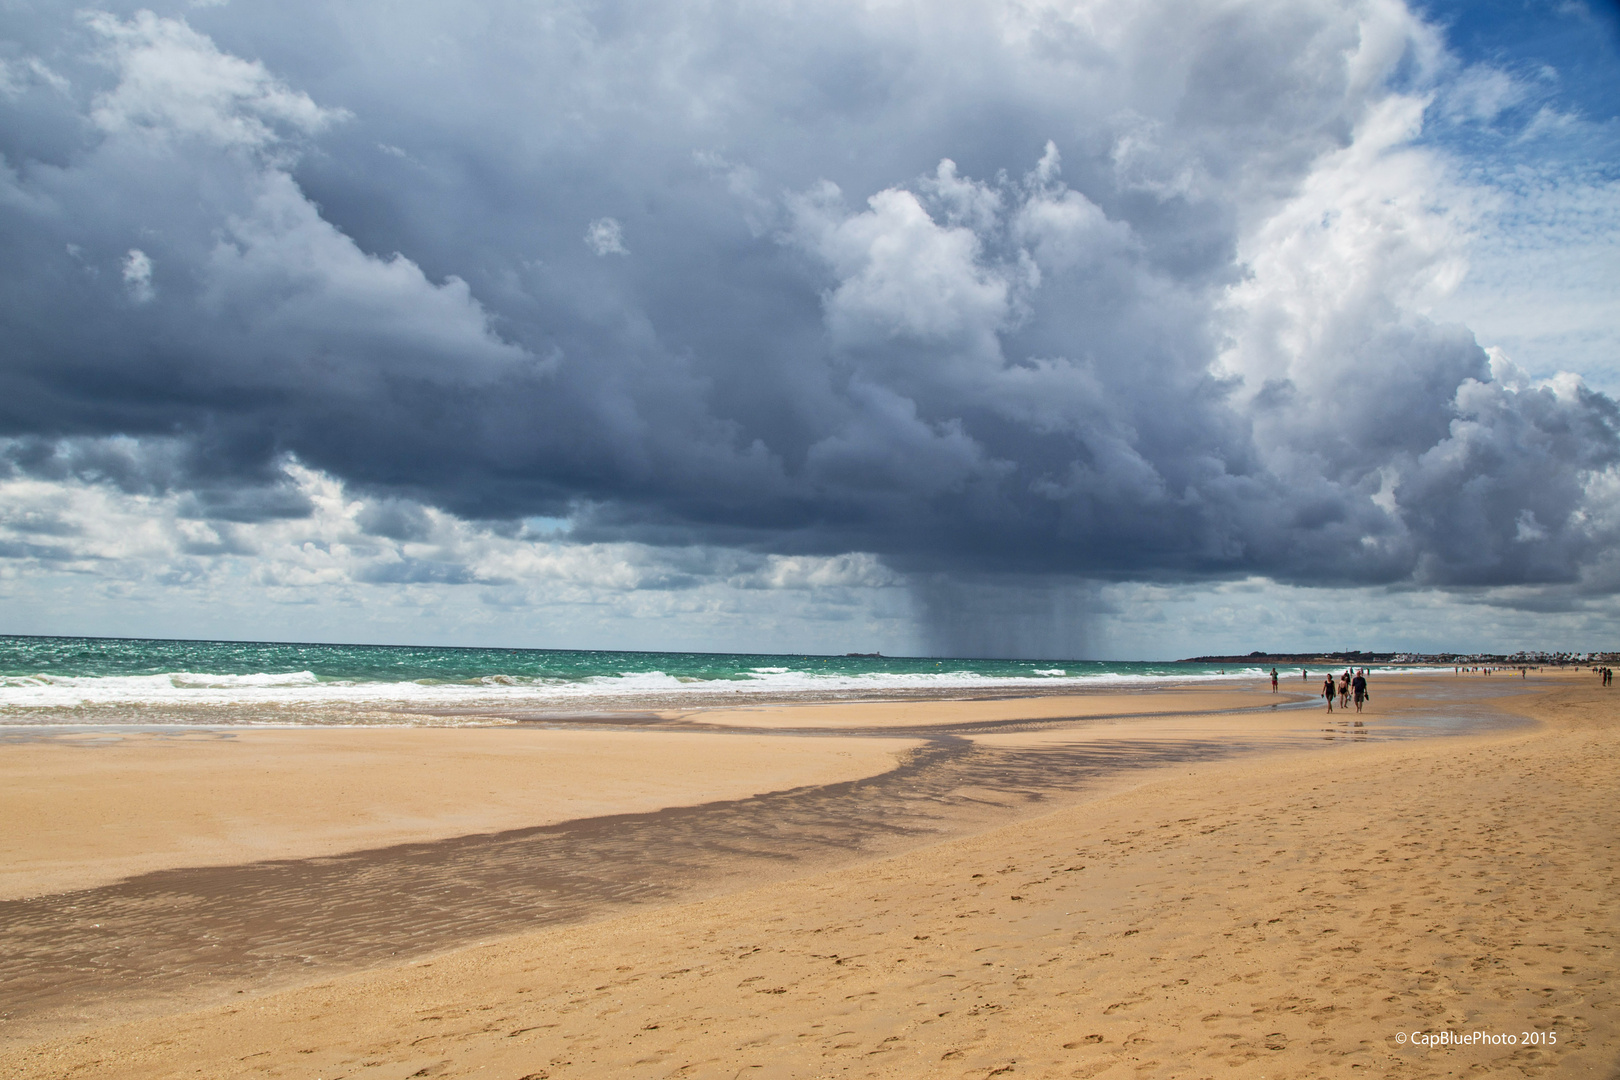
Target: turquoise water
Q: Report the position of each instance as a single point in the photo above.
(136, 677)
(118, 657)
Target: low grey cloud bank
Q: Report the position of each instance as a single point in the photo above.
(975, 293)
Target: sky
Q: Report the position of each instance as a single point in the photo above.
(1125, 329)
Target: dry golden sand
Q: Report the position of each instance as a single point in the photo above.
(1277, 916)
(81, 811)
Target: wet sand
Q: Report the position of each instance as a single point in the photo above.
(87, 807)
(992, 710)
(1272, 894)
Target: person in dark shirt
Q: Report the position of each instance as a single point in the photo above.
(1358, 686)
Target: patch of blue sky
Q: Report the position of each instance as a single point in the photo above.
(1568, 49)
(1530, 120)
(1538, 83)
(546, 527)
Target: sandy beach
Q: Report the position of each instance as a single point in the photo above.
(88, 809)
(1147, 884)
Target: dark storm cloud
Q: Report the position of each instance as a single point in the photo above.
(965, 287)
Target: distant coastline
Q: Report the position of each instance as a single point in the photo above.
(1518, 659)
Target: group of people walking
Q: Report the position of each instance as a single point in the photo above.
(1349, 685)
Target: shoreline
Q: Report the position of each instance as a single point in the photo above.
(1170, 729)
(374, 705)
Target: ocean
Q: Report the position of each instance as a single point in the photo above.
(53, 680)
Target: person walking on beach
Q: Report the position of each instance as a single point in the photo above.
(1273, 680)
(1359, 686)
(1344, 689)
(1328, 690)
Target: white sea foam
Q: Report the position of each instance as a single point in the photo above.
(304, 690)
(303, 696)
(190, 680)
